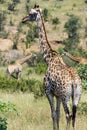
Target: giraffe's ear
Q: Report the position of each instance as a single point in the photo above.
(36, 6)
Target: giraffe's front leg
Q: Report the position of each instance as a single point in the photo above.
(53, 112)
(51, 101)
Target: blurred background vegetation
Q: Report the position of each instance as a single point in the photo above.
(65, 22)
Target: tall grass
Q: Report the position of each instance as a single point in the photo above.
(35, 114)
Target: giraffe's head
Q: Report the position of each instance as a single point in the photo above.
(33, 15)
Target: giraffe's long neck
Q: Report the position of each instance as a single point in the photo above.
(73, 57)
(45, 47)
(23, 60)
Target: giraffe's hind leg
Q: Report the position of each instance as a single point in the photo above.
(53, 112)
(58, 101)
(68, 115)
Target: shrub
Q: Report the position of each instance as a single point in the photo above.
(16, 1)
(55, 21)
(2, 1)
(82, 70)
(23, 85)
(11, 22)
(5, 108)
(11, 6)
(2, 20)
(85, 1)
(45, 14)
(31, 35)
(27, 7)
(3, 123)
(40, 68)
(71, 27)
(83, 108)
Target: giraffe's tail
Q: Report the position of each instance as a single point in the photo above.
(74, 109)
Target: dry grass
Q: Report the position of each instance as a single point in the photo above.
(55, 9)
(35, 114)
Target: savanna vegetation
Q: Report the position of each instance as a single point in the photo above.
(23, 104)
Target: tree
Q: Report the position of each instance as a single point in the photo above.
(71, 27)
(31, 35)
(45, 14)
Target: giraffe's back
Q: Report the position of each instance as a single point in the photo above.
(60, 79)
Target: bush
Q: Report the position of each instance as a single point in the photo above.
(2, 20)
(55, 21)
(31, 35)
(45, 14)
(2, 1)
(85, 1)
(82, 70)
(5, 108)
(71, 27)
(40, 68)
(11, 6)
(16, 1)
(23, 85)
(83, 108)
(3, 123)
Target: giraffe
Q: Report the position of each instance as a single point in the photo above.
(16, 67)
(79, 60)
(60, 81)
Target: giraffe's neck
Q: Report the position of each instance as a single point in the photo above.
(23, 60)
(73, 57)
(45, 47)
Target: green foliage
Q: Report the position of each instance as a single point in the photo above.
(2, 20)
(11, 6)
(82, 52)
(16, 1)
(15, 40)
(78, 52)
(55, 21)
(31, 35)
(7, 107)
(3, 123)
(40, 68)
(37, 88)
(28, 1)
(23, 85)
(82, 70)
(71, 27)
(85, 1)
(45, 14)
(2, 1)
(83, 108)
(27, 7)
(11, 22)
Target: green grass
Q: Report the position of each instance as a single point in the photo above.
(35, 114)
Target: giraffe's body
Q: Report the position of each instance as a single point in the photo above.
(79, 60)
(60, 80)
(17, 66)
